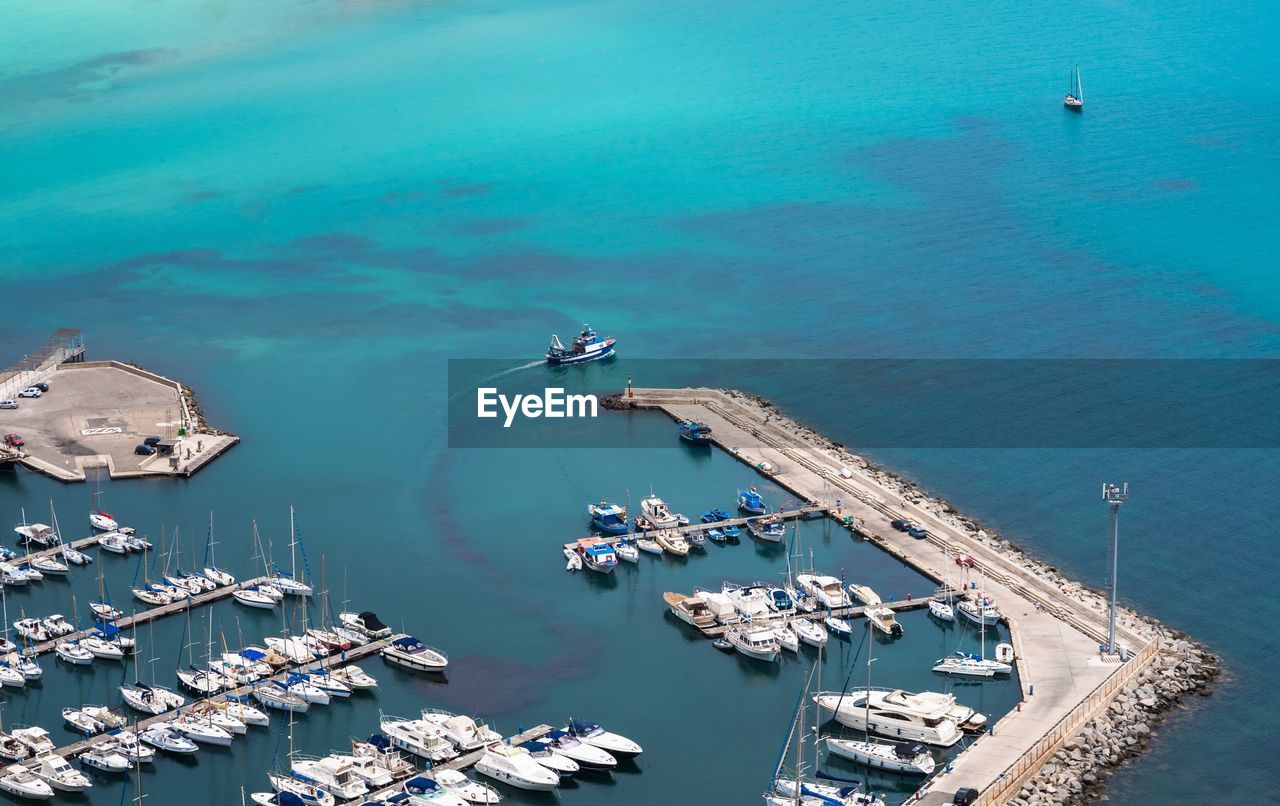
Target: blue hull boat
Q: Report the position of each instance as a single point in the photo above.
(587, 346)
(732, 532)
(714, 516)
(750, 502)
(608, 518)
(694, 432)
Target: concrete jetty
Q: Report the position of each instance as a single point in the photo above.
(1066, 681)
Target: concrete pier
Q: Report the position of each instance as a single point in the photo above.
(1056, 638)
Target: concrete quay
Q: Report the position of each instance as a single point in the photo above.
(1066, 682)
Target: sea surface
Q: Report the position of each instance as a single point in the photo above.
(304, 209)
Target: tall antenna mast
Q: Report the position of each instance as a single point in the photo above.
(1114, 496)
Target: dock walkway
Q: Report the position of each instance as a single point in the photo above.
(1063, 677)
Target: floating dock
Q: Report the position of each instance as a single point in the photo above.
(1065, 680)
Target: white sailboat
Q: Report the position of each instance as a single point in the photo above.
(1074, 100)
(970, 665)
(291, 582)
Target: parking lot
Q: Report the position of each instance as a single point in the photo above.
(99, 411)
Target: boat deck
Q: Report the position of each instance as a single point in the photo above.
(1065, 682)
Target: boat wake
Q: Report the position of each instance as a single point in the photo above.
(520, 368)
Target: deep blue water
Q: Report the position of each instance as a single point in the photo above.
(304, 209)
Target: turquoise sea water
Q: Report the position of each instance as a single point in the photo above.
(304, 208)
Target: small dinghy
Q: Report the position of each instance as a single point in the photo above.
(75, 557)
(465, 788)
(573, 562)
(1004, 653)
(411, 653)
(723, 644)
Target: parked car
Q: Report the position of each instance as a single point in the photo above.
(964, 796)
(964, 560)
(8, 404)
(901, 524)
(15, 441)
(144, 450)
(918, 532)
(30, 391)
(43, 387)
(153, 441)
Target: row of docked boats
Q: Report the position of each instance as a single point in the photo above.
(611, 518)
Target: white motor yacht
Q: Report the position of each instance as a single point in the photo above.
(591, 733)
(418, 737)
(106, 756)
(751, 601)
(23, 783)
(883, 619)
(32, 630)
(808, 632)
(57, 625)
(826, 589)
(411, 653)
(968, 665)
(201, 730)
(366, 623)
(541, 752)
(114, 542)
(129, 746)
(354, 677)
(658, 514)
(587, 756)
(162, 737)
(39, 534)
(308, 793)
(927, 717)
(330, 774)
(60, 775)
(757, 643)
(72, 652)
(465, 788)
(864, 594)
(421, 789)
(81, 722)
(374, 775)
(35, 738)
(513, 766)
(465, 733)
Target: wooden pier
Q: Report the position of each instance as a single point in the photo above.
(332, 662)
(1065, 682)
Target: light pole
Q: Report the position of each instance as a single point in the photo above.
(1114, 496)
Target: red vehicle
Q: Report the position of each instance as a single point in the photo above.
(15, 441)
(965, 560)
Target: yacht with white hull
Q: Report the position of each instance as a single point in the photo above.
(927, 717)
(908, 757)
(514, 766)
(826, 589)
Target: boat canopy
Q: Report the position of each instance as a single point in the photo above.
(420, 786)
(582, 727)
(253, 654)
(379, 741)
(908, 751)
(408, 644)
(536, 747)
(371, 621)
(108, 630)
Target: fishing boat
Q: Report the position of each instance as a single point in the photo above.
(366, 623)
(627, 550)
(714, 516)
(411, 653)
(1074, 100)
(57, 773)
(587, 756)
(697, 539)
(608, 518)
(587, 346)
(463, 732)
(658, 515)
(768, 528)
(513, 766)
(756, 643)
(694, 432)
(750, 502)
(715, 533)
(672, 542)
(465, 788)
(691, 610)
(593, 734)
(23, 783)
(731, 532)
(597, 556)
(163, 737)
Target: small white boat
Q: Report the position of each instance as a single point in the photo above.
(864, 594)
(100, 647)
(60, 775)
(587, 756)
(787, 638)
(971, 666)
(416, 736)
(563, 766)
(648, 546)
(114, 542)
(757, 643)
(21, 782)
(11, 749)
(838, 626)
(103, 522)
(421, 789)
(411, 653)
(883, 619)
(162, 737)
(367, 767)
(217, 576)
(1005, 654)
(201, 731)
(268, 589)
(908, 757)
(246, 713)
(72, 652)
(26, 664)
(11, 577)
(980, 612)
(82, 722)
(692, 610)
(252, 597)
(308, 793)
(625, 551)
(57, 625)
(49, 565)
(273, 695)
(128, 745)
(354, 677)
(40, 534)
(106, 757)
(11, 676)
(149, 700)
(465, 788)
(514, 766)
(366, 623)
(593, 734)
(326, 682)
(573, 561)
(941, 610)
(813, 793)
(809, 632)
(103, 611)
(217, 715)
(465, 733)
(108, 717)
(290, 586)
(203, 682)
(151, 596)
(32, 630)
(302, 688)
